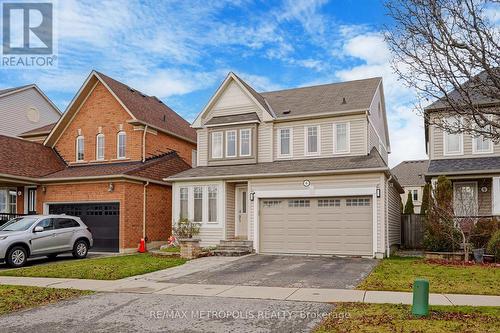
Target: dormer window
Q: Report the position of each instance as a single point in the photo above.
(121, 145)
(312, 140)
(80, 149)
(99, 152)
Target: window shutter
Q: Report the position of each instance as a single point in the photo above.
(496, 195)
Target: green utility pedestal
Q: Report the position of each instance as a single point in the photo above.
(420, 297)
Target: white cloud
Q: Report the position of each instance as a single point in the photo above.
(369, 47)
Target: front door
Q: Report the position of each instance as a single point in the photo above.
(241, 212)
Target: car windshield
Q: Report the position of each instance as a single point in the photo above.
(18, 224)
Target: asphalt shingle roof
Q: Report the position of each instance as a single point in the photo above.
(372, 160)
(233, 118)
(8, 90)
(39, 130)
(464, 165)
(411, 172)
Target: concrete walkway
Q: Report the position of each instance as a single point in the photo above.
(146, 286)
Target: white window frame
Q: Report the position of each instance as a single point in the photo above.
(348, 136)
(249, 130)
(77, 146)
(207, 218)
(445, 144)
(474, 142)
(413, 195)
(495, 195)
(121, 133)
(202, 203)
(180, 201)
(235, 143)
(306, 140)
(97, 157)
(220, 210)
(212, 137)
(290, 148)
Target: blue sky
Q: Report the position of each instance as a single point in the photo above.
(181, 51)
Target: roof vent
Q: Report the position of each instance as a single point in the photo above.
(287, 112)
(344, 100)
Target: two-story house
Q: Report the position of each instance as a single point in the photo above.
(104, 161)
(24, 109)
(471, 162)
(294, 171)
(411, 176)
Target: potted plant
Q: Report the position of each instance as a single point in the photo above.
(186, 231)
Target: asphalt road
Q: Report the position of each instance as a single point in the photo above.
(111, 312)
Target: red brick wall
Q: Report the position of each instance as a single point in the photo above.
(130, 197)
(100, 109)
(20, 201)
(162, 142)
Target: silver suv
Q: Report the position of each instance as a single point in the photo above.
(43, 235)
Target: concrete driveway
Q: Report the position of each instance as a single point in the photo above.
(128, 312)
(285, 271)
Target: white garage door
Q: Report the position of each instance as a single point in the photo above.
(336, 225)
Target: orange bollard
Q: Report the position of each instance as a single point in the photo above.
(142, 246)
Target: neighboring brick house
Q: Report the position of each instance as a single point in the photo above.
(23, 109)
(108, 156)
(411, 176)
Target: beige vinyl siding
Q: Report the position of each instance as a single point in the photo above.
(374, 141)
(394, 216)
(265, 143)
(357, 136)
(324, 182)
(202, 146)
(14, 109)
(210, 236)
(484, 198)
(230, 210)
(376, 117)
(436, 144)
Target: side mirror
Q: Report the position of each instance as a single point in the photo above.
(38, 229)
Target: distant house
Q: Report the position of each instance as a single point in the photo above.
(411, 176)
(24, 109)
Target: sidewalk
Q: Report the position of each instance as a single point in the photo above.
(253, 292)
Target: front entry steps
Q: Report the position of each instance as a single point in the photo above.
(234, 248)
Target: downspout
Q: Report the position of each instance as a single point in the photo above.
(388, 247)
(144, 143)
(144, 211)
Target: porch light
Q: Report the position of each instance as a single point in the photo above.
(378, 192)
(19, 193)
(252, 196)
(111, 187)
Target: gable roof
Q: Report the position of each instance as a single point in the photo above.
(411, 173)
(24, 158)
(8, 91)
(143, 109)
(38, 131)
(326, 98)
(233, 118)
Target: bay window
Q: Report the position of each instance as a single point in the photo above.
(341, 137)
(184, 208)
(285, 142)
(231, 144)
(212, 204)
(216, 144)
(245, 142)
(198, 204)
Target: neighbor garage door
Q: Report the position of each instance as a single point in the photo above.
(336, 225)
(103, 219)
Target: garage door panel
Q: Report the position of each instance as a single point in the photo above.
(317, 226)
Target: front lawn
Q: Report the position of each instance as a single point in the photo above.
(398, 274)
(15, 298)
(362, 317)
(173, 249)
(109, 268)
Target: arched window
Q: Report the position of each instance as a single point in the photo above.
(99, 151)
(121, 145)
(80, 149)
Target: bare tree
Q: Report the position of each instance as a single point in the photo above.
(449, 51)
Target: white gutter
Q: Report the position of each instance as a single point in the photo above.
(27, 180)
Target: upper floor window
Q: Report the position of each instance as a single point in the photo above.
(99, 152)
(312, 140)
(415, 195)
(453, 142)
(80, 156)
(341, 138)
(245, 142)
(231, 144)
(481, 144)
(216, 144)
(285, 142)
(122, 144)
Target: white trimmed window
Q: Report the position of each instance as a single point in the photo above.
(415, 195)
(245, 142)
(198, 204)
(453, 142)
(99, 151)
(312, 140)
(121, 145)
(341, 138)
(80, 148)
(285, 142)
(231, 143)
(216, 138)
(212, 204)
(482, 145)
(184, 208)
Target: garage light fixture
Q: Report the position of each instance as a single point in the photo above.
(378, 193)
(252, 196)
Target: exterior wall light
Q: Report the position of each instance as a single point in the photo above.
(378, 192)
(252, 196)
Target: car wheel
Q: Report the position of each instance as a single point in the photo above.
(80, 249)
(17, 257)
(53, 255)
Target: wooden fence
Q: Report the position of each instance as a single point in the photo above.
(412, 231)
